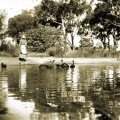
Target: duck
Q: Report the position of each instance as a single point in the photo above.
(3, 66)
(72, 65)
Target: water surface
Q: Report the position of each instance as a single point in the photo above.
(91, 92)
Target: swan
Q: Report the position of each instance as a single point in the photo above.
(49, 65)
(3, 66)
(59, 65)
(72, 65)
(44, 65)
(22, 59)
(64, 65)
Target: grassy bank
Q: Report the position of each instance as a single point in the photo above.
(82, 53)
(13, 51)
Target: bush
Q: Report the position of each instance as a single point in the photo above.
(9, 50)
(56, 51)
(93, 53)
(42, 38)
(5, 54)
(13, 50)
(51, 51)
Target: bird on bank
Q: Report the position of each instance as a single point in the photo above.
(72, 65)
(22, 59)
(3, 66)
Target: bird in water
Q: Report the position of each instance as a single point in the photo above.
(48, 65)
(44, 65)
(72, 65)
(64, 65)
(59, 65)
(51, 65)
(3, 66)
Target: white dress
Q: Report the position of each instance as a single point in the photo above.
(23, 51)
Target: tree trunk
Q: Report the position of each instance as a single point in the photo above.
(72, 39)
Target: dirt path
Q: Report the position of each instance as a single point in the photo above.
(40, 60)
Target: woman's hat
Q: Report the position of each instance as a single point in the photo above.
(23, 37)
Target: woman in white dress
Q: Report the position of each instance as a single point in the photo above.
(23, 51)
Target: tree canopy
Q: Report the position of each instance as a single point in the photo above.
(71, 17)
(66, 15)
(2, 19)
(20, 23)
(42, 38)
(105, 20)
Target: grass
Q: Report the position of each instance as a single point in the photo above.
(9, 51)
(13, 51)
(5, 54)
(36, 54)
(91, 53)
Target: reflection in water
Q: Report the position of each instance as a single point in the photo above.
(22, 82)
(17, 108)
(3, 91)
(82, 93)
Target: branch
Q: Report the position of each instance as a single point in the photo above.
(114, 15)
(115, 24)
(57, 22)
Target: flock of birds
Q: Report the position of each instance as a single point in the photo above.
(50, 65)
(62, 65)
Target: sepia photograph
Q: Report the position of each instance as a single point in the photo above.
(60, 59)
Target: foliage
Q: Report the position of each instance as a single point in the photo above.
(2, 19)
(42, 38)
(49, 11)
(61, 14)
(105, 20)
(5, 54)
(55, 51)
(51, 51)
(37, 54)
(46, 12)
(91, 53)
(85, 42)
(9, 50)
(20, 23)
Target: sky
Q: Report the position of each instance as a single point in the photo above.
(15, 7)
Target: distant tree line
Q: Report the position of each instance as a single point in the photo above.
(49, 20)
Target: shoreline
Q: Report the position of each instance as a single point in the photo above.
(41, 60)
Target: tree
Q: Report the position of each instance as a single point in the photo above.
(65, 14)
(20, 23)
(46, 12)
(106, 20)
(42, 38)
(2, 19)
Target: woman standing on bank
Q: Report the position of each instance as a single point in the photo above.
(23, 51)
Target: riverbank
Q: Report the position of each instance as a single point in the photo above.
(41, 60)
